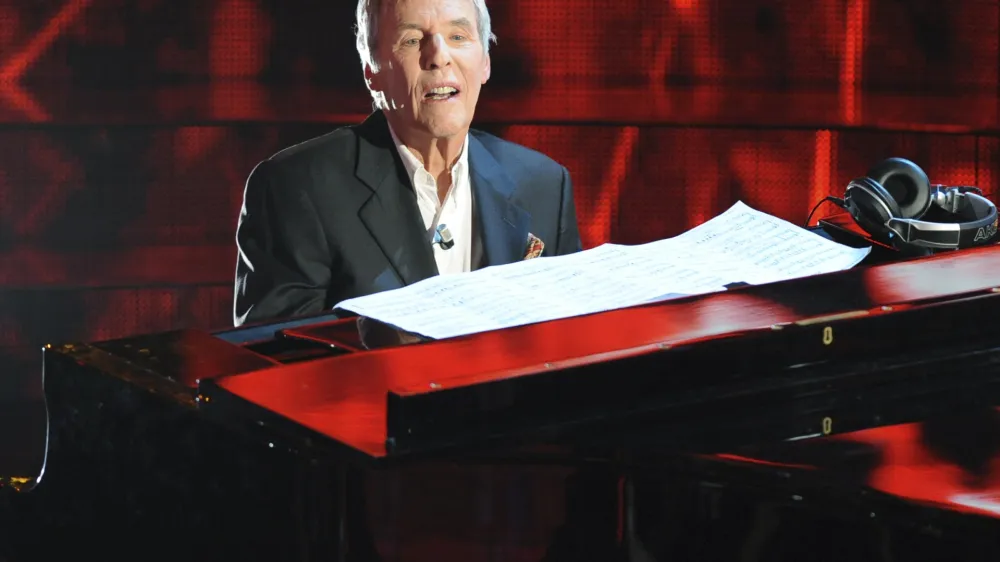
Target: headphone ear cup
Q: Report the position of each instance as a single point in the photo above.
(906, 184)
(871, 206)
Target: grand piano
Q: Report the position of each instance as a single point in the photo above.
(843, 416)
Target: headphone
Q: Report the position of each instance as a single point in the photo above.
(897, 204)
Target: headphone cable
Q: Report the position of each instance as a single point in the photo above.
(831, 199)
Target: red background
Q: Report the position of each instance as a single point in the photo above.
(127, 127)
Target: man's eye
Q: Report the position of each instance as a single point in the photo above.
(458, 37)
(411, 41)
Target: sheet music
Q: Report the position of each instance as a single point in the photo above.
(740, 245)
(763, 249)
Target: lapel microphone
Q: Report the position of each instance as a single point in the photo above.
(443, 237)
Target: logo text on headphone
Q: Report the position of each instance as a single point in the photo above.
(986, 232)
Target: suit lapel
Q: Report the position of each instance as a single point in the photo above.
(502, 224)
(391, 213)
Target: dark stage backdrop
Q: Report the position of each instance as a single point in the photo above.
(127, 127)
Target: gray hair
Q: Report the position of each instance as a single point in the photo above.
(367, 29)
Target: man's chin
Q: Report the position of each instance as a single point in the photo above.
(435, 124)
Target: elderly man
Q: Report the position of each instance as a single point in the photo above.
(409, 193)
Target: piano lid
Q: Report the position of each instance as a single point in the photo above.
(393, 400)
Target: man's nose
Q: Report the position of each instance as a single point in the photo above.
(436, 54)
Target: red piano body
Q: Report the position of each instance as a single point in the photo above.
(856, 409)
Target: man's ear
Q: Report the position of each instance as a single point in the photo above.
(487, 70)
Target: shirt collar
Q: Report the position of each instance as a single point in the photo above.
(413, 165)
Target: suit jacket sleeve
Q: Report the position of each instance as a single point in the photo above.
(569, 231)
(283, 257)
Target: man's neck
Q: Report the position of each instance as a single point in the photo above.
(437, 155)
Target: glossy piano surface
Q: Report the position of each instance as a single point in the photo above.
(835, 390)
(947, 462)
(377, 401)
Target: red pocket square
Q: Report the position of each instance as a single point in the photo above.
(534, 248)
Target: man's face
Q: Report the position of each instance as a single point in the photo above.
(432, 65)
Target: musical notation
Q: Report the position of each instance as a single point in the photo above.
(740, 245)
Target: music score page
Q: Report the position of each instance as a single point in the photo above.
(740, 245)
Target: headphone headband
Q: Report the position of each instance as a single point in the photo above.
(894, 203)
(950, 235)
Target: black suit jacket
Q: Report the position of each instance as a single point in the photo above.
(336, 217)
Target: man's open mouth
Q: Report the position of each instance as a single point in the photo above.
(442, 93)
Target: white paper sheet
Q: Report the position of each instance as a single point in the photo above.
(740, 245)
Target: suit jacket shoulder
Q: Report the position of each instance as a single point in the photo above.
(519, 159)
(335, 150)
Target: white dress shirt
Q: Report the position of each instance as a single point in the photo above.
(455, 211)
